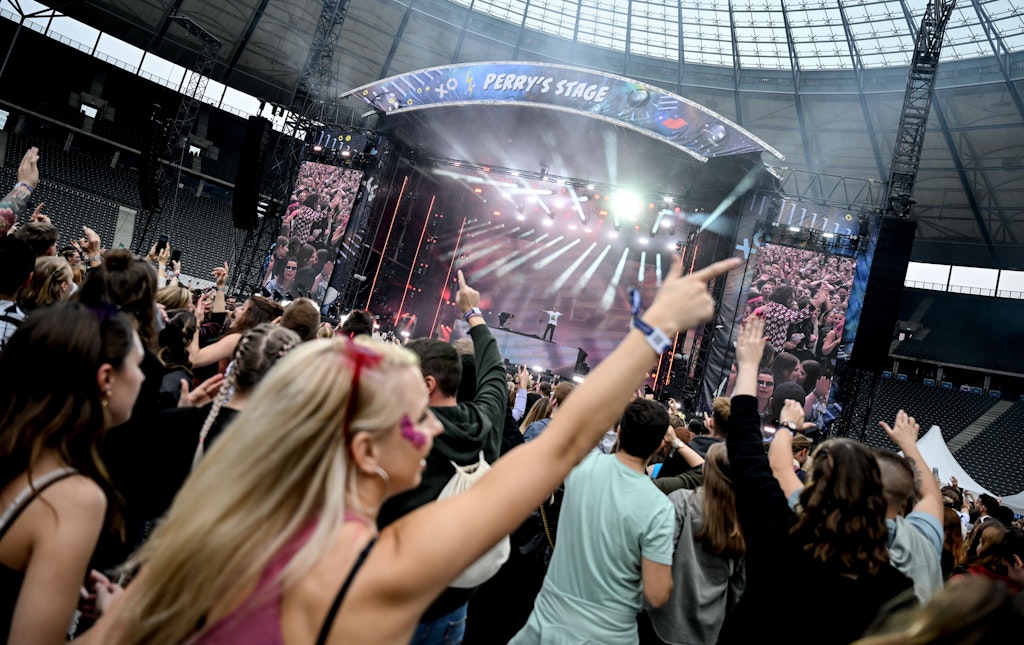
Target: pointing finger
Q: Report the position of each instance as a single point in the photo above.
(462, 279)
(712, 271)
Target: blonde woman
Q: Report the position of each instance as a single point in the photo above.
(273, 538)
(52, 281)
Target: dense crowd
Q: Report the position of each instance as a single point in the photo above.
(191, 466)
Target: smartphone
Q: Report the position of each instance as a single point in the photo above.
(176, 255)
(161, 242)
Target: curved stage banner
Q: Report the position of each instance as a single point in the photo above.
(638, 106)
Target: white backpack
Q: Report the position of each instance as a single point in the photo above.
(480, 571)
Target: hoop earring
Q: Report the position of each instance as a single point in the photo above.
(358, 499)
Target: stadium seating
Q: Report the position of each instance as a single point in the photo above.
(995, 458)
(951, 411)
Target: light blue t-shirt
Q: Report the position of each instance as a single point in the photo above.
(611, 518)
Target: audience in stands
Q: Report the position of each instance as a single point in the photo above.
(54, 489)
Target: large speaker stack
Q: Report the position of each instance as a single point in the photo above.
(154, 143)
(880, 312)
(248, 181)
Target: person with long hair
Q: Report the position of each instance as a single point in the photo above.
(127, 283)
(541, 410)
(273, 537)
(954, 553)
(174, 340)
(180, 436)
(53, 485)
(52, 282)
(829, 536)
(254, 311)
(707, 568)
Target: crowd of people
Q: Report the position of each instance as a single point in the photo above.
(182, 466)
(315, 219)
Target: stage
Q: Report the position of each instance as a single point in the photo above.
(521, 348)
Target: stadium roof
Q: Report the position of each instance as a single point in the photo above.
(820, 80)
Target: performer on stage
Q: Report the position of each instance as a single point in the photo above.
(553, 317)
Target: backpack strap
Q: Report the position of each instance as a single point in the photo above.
(29, 493)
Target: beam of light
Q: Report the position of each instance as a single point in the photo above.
(609, 294)
(643, 265)
(551, 258)
(657, 221)
(589, 273)
(416, 256)
(512, 257)
(394, 215)
(508, 267)
(447, 279)
(526, 234)
(577, 206)
(743, 186)
(562, 279)
(657, 269)
(479, 254)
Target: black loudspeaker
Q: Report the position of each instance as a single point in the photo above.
(154, 142)
(883, 294)
(249, 179)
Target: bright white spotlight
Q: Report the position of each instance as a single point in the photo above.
(576, 378)
(548, 222)
(521, 217)
(613, 234)
(627, 204)
(642, 241)
(795, 229)
(668, 200)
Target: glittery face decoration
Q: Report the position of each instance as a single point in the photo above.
(411, 434)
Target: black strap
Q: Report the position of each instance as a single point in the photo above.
(28, 494)
(336, 605)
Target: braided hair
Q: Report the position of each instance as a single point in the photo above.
(258, 350)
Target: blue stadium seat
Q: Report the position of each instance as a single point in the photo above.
(995, 394)
(930, 382)
(902, 378)
(975, 390)
(946, 385)
(886, 374)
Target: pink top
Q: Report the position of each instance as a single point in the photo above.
(257, 621)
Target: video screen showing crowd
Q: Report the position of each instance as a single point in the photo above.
(302, 258)
(803, 296)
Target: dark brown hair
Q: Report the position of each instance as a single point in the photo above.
(128, 284)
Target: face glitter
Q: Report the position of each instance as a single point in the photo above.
(411, 434)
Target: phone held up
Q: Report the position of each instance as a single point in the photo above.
(161, 242)
(176, 255)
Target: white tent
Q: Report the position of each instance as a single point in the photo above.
(935, 451)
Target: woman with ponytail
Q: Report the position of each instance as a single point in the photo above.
(181, 436)
(254, 311)
(174, 340)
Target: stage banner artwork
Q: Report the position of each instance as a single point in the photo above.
(300, 262)
(638, 106)
(811, 253)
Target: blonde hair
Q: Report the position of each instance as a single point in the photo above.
(280, 467)
(50, 274)
(174, 296)
(541, 410)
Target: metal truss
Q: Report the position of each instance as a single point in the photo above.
(917, 103)
(176, 145)
(306, 112)
(850, 193)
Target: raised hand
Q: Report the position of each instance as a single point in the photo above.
(28, 169)
(220, 274)
(683, 302)
(904, 429)
(751, 341)
(467, 297)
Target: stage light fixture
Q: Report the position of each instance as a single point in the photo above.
(318, 148)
